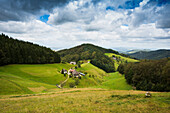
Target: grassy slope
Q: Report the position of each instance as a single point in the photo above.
(92, 70)
(124, 59)
(96, 76)
(22, 79)
(18, 79)
(87, 100)
(115, 81)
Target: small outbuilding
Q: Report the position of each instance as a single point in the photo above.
(63, 71)
(82, 74)
(74, 63)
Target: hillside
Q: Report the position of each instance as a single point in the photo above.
(24, 79)
(89, 52)
(95, 54)
(13, 51)
(115, 81)
(153, 55)
(82, 50)
(19, 79)
(118, 59)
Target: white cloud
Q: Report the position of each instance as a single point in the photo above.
(83, 22)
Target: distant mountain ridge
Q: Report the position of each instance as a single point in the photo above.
(136, 50)
(153, 55)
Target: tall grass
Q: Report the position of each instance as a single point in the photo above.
(89, 101)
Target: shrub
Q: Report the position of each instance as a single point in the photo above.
(71, 85)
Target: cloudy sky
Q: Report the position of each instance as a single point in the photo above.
(108, 23)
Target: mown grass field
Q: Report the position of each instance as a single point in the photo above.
(94, 76)
(115, 81)
(87, 100)
(21, 79)
(28, 79)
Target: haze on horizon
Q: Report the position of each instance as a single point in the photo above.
(108, 23)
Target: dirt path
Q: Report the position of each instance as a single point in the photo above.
(73, 90)
(60, 85)
(65, 80)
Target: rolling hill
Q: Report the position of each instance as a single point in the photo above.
(94, 53)
(24, 79)
(28, 79)
(120, 59)
(153, 55)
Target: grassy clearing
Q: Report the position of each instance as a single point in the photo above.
(88, 101)
(92, 70)
(115, 81)
(123, 59)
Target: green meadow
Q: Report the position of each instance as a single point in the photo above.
(32, 88)
(87, 100)
(115, 81)
(122, 58)
(22, 79)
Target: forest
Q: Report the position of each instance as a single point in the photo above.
(148, 75)
(13, 51)
(89, 52)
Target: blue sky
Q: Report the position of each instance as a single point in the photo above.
(44, 18)
(107, 23)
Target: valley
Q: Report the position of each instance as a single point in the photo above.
(85, 78)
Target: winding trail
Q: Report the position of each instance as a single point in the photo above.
(59, 86)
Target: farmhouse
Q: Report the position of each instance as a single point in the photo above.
(75, 73)
(63, 71)
(114, 58)
(74, 63)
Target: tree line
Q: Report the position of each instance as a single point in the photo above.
(13, 51)
(149, 75)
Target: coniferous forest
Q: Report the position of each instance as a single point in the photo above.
(13, 51)
(148, 75)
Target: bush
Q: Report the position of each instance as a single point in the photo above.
(71, 85)
(77, 81)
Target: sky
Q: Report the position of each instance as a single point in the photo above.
(60, 24)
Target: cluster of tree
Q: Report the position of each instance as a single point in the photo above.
(103, 62)
(13, 51)
(154, 55)
(149, 75)
(89, 52)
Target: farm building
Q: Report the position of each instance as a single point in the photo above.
(75, 73)
(114, 58)
(74, 63)
(82, 74)
(63, 71)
